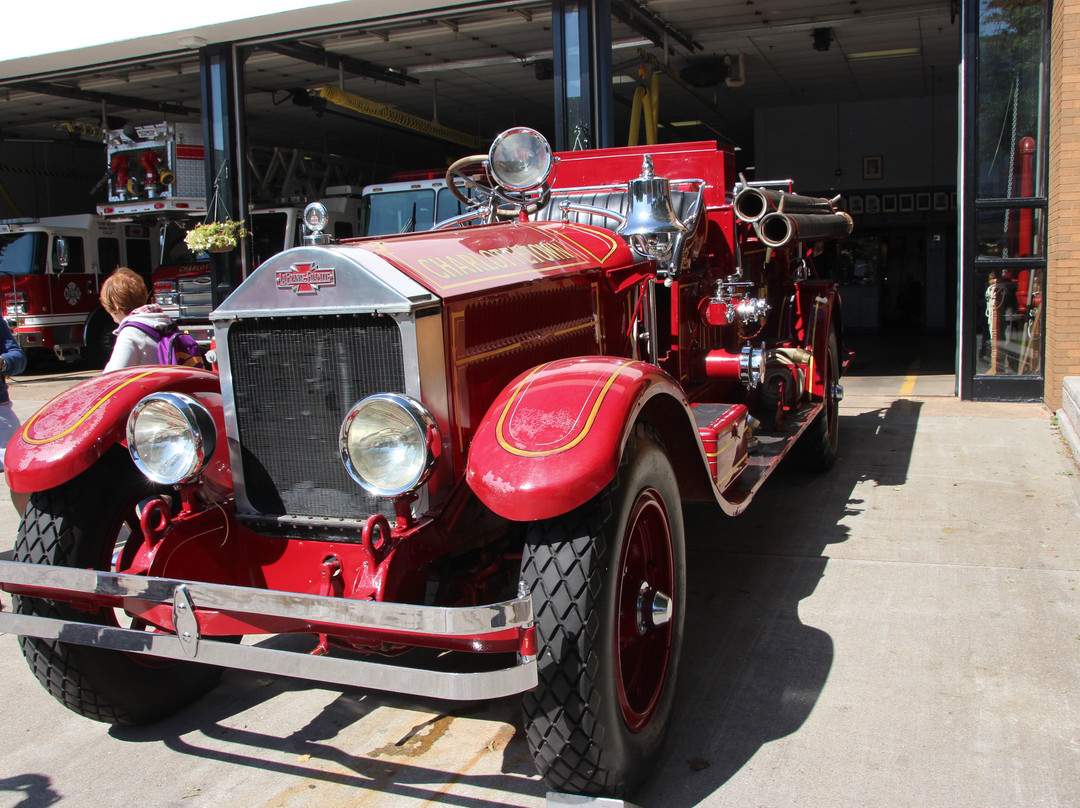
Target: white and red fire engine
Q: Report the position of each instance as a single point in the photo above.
(409, 202)
(51, 271)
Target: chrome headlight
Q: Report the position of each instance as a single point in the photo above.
(389, 444)
(521, 159)
(171, 437)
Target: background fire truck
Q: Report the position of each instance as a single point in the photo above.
(51, 271)
(410, 201)
(52, 268)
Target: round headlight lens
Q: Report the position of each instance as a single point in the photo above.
(315, 217)
(520, 159)
(171, 437)
(388, 444)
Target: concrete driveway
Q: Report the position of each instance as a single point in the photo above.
(902, 631)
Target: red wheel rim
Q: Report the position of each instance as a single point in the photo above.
(643, 649)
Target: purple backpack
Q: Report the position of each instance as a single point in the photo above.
(174, 347)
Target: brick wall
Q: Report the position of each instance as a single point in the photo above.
(1063, 234)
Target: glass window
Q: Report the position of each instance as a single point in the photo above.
(1009, 324)
(1010, 99)
(268, 235)
(108, 254)
(449, 205)
(76, 257)
(22, 253)
(138, 256)
(398, 211)
(1009, 233)
(174, 251)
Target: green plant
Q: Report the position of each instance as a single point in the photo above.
(215, 236)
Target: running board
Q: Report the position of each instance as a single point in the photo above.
(772, 447)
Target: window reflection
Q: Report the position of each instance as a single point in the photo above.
(1009, 233)
(1008, 337)
(1010, 98)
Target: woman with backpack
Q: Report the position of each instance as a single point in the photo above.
(124, 296)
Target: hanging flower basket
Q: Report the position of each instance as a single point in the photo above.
(215, 237)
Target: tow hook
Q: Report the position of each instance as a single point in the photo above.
(154, 518)
(331, 585)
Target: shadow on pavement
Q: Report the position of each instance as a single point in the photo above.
(752, 671)
(315, 752)
(35, 790)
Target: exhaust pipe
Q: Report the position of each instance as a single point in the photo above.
(752, 204)
(780, 229)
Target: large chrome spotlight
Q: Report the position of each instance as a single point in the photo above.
(521, 159)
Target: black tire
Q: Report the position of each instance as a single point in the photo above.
(99, 339)
(84, 523)
(600, 712)
(818, 446)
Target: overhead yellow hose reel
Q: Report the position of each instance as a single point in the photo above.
(646, 104)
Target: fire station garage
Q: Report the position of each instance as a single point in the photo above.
(932, 122)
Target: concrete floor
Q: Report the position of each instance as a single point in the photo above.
(901, 631)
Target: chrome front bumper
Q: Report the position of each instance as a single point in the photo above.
(187, 597)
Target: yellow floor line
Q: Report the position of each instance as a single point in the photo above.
(908, 387)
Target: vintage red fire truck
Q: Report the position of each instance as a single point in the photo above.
(51, 270)
(474, 440)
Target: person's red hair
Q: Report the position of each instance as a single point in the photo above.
(123, 291)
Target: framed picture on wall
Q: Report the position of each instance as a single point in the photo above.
(873, 203)
(907, 203)
(888, 203)
(941, 200)
(855, 204)
(922, 201)
(872, 167)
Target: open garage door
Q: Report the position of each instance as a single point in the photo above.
(844, 99)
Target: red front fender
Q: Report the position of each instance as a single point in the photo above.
(554, 437)
(71, 432)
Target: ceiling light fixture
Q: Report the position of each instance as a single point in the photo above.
(497, 61)
(895, 53)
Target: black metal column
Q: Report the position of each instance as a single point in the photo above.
(222, 79)
(581, 32)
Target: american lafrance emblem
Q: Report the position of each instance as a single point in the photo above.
(306, 279)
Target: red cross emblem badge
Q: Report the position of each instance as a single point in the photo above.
(306, 279)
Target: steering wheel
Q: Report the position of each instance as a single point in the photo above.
(456, 172)
(483, 190)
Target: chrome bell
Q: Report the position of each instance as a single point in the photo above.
(651, 223)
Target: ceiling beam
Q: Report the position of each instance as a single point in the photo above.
(324, 58)
(651, 25)
(112, 99)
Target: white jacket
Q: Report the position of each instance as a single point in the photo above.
(133, 345)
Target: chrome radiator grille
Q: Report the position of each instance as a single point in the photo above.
(293, 382)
